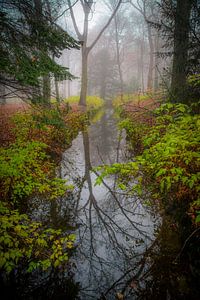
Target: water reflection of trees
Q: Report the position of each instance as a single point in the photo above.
(40, 285)
(114, 233)
(118, 254)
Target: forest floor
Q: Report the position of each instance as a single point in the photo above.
(6, 112)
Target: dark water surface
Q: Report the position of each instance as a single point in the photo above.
(114, 230)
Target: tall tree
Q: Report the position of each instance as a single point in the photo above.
(29, 39)
(117, 41)
(83, 38)
(180, 31)
(120, 24)
(181, 47)
(146, 9)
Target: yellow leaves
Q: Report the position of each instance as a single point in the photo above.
(29, 240)
(41, 242)
(70, 245)
(37, 253)
(17, 229)
(92, 102)
(51, 237)
(119, 296)
(24, 240)
(56, 263)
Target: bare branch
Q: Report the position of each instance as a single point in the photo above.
(58, 17)
(106, 25)
(79, 35)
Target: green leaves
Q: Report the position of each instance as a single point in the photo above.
(169, 159)
(28, 43)
(26, 170)
(93, 102)
(27, 244)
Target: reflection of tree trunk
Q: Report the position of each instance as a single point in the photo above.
(54, 213)
(86, 144)
(103, 88)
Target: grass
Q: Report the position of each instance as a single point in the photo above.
(92, 102)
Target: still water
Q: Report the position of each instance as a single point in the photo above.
(114, 230)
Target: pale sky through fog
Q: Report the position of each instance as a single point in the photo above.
(99, 10)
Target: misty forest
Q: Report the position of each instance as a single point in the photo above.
(100, 149)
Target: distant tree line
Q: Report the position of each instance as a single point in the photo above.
(163, 37)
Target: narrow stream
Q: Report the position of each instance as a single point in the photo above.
(114, 230)
(124, 249)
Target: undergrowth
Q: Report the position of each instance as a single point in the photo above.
(167, 160)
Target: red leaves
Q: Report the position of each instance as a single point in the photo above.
(6, 125)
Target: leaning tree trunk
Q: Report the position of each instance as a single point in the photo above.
(180, 57)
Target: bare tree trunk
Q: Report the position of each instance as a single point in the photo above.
(2, 94)
(46, 90)
(118, 56)
(151, 59)
(87, 6)
(68, 89)
(57, 90)
(156, 75)
(142, 64)
(84, 76)
(181, 39)
(46, 84)
(143, 8)
(68, 82)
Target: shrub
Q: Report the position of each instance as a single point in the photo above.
(26, 245)
(92, 102)
(169, 163)
(26, 170)
(55, 126)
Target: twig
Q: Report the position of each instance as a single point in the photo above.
(185, 243)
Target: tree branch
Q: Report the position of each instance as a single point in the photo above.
(104, 28)
(79, 35)
(55, 19)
